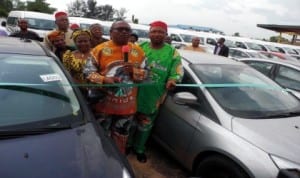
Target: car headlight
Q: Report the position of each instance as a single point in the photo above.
(125, 173)
(282, 163)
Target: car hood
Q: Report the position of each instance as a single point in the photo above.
(280, 136)
(76, 153)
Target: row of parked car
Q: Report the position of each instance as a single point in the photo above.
(227, 120)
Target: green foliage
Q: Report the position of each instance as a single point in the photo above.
(40, 6)
(78, 8)
(5, 7)
(276, 39)
(134, 20)
(90, 9)
(236, 34)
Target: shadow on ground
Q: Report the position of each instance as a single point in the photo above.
(159, 164)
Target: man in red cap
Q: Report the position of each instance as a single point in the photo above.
(62, 23)
(163, 63)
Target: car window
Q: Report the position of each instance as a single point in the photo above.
(211, 41)
(204, 107)
(34, 89)
(288, 77)
(41, 24)
(140, 33)
(254, 46)
(280, 49)
(13, 21)
(175, 37)
(240, 54)
(261, 98)
(263, 67)
(240, 45)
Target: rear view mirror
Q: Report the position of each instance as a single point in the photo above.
(187, 98)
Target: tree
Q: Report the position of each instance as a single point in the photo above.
(92, 9)
(134, 20)
(40, 6)
(5, 7)
(236, 34)
(105, 12)
(276, 38)
(19, 5)
(120, 14)
(78, 8)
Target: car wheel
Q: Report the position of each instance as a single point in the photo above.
(219, 167)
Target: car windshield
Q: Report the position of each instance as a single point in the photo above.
(255, 101)
(230, 44)
(34, 89)
(41, 24)
(272, 48)
(256, 55)
(254, 46)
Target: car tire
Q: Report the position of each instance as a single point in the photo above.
(219, 167)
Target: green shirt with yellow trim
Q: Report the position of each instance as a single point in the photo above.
(162, 64)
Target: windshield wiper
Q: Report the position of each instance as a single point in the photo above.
(31, 131)
(278, 115)
(36, 91)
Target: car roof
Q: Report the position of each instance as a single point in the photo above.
(283, 62)
(206, 58)
(17, 46)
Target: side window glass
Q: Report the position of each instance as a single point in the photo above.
(13, 21)
(263, 67)
(204, 106)
(240, 45)
(211, 41)
(187, 79)
(280, 50)
(243, 55)
(231, 52)
(288, 77)
(175, 37)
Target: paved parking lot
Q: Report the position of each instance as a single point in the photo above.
(159, 164)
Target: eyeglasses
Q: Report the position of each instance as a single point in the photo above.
(122, 29)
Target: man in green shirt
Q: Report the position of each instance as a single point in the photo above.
(165, 70)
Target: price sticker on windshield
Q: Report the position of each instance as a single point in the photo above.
(50, 77)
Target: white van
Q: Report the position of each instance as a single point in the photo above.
(85, 23)
(41, 23)
(141, 30)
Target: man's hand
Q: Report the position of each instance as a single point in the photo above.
(171, 84)
(111, 80)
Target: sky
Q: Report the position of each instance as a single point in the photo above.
(229, 16)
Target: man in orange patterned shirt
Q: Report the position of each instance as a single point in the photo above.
(118, 62)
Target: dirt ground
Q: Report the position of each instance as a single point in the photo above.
(159, 164)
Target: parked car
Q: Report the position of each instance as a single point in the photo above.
(278, 55)
(238, 53)
(224, 130)
(46, 127)
(285, 73)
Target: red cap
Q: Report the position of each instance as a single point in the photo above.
(74, 26)
(159, 24)
(59, 14)
(125, 49)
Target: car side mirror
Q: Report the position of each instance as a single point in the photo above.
(185, 98)
(288, 173)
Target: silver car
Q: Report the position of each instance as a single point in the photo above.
(285, 72)
(228, 120)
